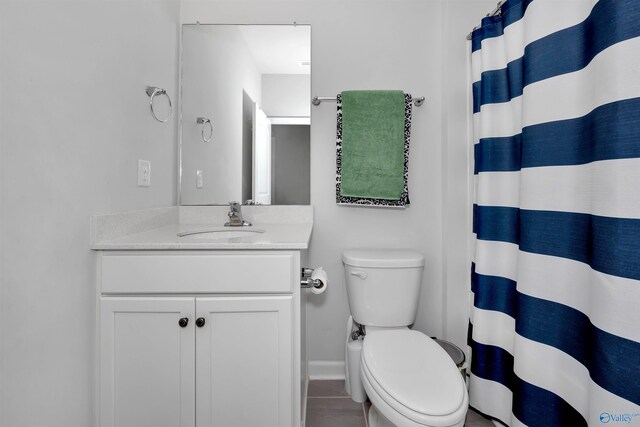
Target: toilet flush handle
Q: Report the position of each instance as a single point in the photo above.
(360, 274)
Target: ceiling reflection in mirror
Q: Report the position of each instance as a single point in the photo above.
(245, 114)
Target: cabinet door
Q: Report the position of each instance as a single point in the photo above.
(244, 369)
(147, 362)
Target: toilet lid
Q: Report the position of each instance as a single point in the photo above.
(414, 370)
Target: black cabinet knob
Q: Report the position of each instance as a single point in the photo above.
(200, 322)
(183, 322)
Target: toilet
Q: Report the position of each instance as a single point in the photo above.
(409, 378)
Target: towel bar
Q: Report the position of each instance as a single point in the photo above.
(318, 99)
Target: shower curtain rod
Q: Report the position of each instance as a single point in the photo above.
(494, 12)
(318, 99)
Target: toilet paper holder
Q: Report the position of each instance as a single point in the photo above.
(306, 281)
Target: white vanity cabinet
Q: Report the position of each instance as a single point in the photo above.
(244, 374)
(199, 338)
(147, 362)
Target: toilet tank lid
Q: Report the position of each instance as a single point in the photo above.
(382, 258)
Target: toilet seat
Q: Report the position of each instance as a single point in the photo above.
(412, 380)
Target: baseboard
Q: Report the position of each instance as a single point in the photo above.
(326, 369)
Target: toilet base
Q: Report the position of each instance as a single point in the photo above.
(376, 419)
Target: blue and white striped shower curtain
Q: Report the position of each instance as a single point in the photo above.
(555, 321)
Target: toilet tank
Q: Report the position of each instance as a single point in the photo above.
(383, 286)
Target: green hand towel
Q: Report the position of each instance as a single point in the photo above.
(372, 144)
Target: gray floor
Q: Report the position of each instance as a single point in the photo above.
(328, 405)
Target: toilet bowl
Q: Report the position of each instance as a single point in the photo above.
(409, 378)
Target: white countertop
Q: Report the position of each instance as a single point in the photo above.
(285, 227)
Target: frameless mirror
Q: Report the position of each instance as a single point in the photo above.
(245, 114)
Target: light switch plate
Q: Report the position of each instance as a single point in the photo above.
(199, 179)
(144, 173)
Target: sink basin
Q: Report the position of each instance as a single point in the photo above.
(221, 233)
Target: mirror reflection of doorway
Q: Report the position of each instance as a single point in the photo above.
(248, 107)
(287, 159)
(261, 157)
(290, 180)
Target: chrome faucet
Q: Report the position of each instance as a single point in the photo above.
(235, 216)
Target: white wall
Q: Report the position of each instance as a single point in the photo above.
(217, 67)
(286, 95)
(74, 120)
(459, 17)
(363, 45)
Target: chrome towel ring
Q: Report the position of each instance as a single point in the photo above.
(203, 121)
(152, 91)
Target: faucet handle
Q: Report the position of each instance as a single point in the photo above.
(234, 203)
